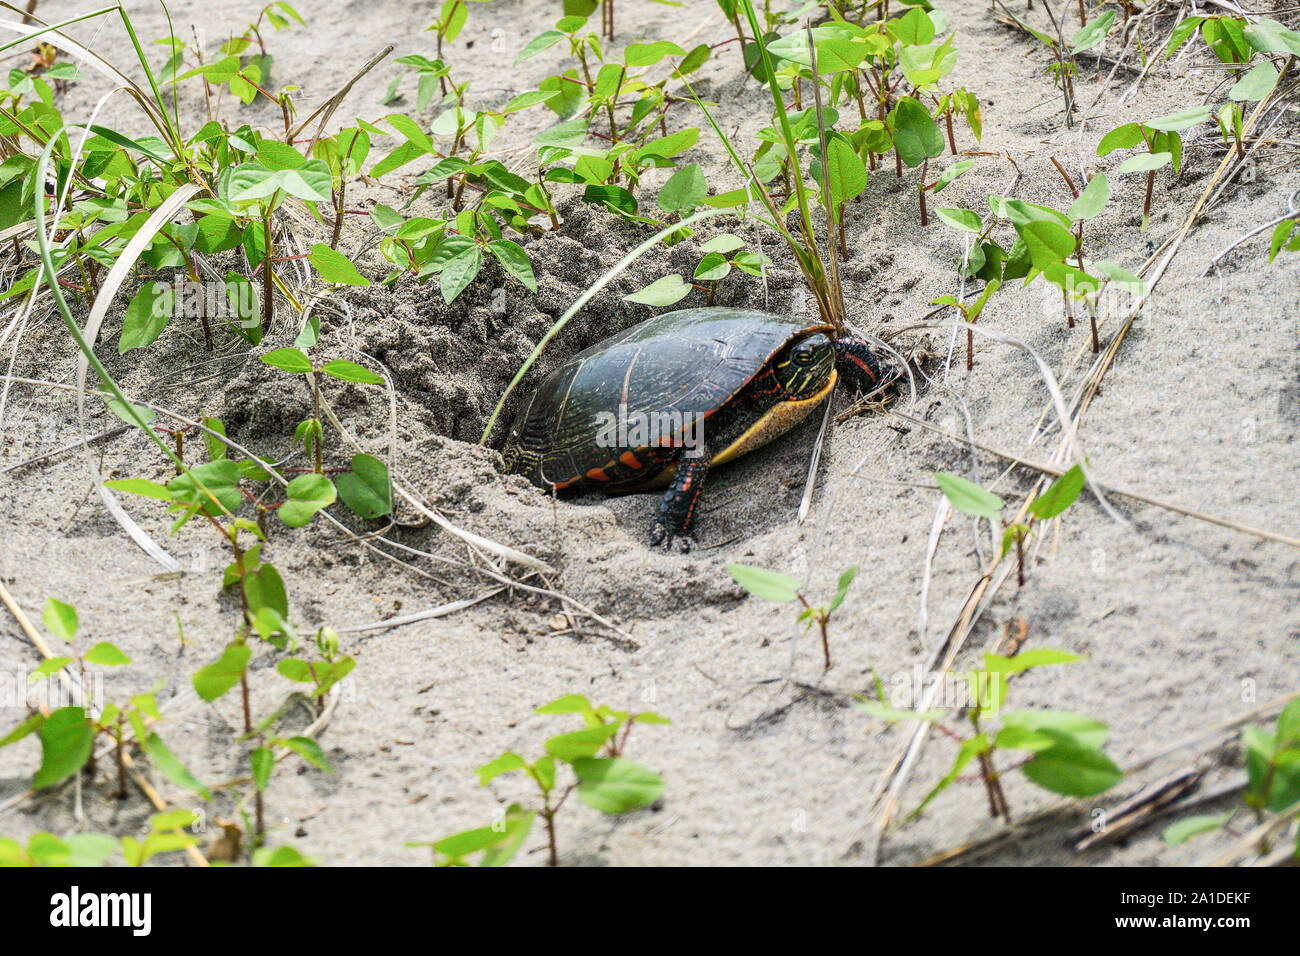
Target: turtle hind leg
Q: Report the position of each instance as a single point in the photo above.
(676, 516)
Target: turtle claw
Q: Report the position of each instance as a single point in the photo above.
(681, 541)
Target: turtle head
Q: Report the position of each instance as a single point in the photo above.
(804, 366)
(858, 364)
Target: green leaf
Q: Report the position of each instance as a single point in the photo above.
(765, 584)
(506, 763)
(1062, 724)
(51, 665)
(724, 244)
(969, 750)
(1047, 242)
(1122, 278)
(139, 486)
(1184, 119)
(916, 136)
(968, 497)
(615, 785)
(308, 494)
(1072, 769)
(67, 737)
(952, 172)
(894, 715)
(365, 489)
(1280, 236)
(1039, 657)
(965, 219)
(60, 618)
(580, 743)
(842, 586)
(459, 272)
(214, 680)
(1062, 493)
(219, 478)
(515, 261)
(1288, 726)
(146, 316)
(288, 360)
(1179, 833)
(1256, 84)
(1092, 200)
(568, 704)
(665, 291)
(914, 28)
(1121, 137)
(33, 723)
(351, 372)
(171, 768)
(105, 654)
(310, 751)
(334, 266)
(684, 190)
(647, 54)
(245, 305)
(280, 856)
(1093, 32)
(1269, 36)
(537, 44)
(263, 761)
(1144, 162)
(517, 826)
(835, 55)
(848, 174)
(712, 268)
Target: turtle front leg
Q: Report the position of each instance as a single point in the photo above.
(676, 515)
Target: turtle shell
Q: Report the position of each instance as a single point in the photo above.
(679, 366)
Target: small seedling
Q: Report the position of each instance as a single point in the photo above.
(969, 313)
(1272, 783)
(781, 588)
(970, 498)
(68, 734)
(1065, 749)
(604, 779)
(1163, 143)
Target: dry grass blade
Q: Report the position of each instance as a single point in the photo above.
(108, 290)
(57, 39)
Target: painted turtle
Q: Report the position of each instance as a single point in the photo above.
(666, 399)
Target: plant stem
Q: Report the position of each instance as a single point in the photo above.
(925, 218)
(548, 814)
(268, 280)
(1146, 202)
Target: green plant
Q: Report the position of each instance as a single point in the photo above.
(1272, 793)
(165, 835)
(1164, 146)
(604, 779)
(782, 588)
(1064, 749)
(68, 734)
(970, 498)
(969, 313)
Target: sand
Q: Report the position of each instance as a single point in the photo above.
(1183, 624)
